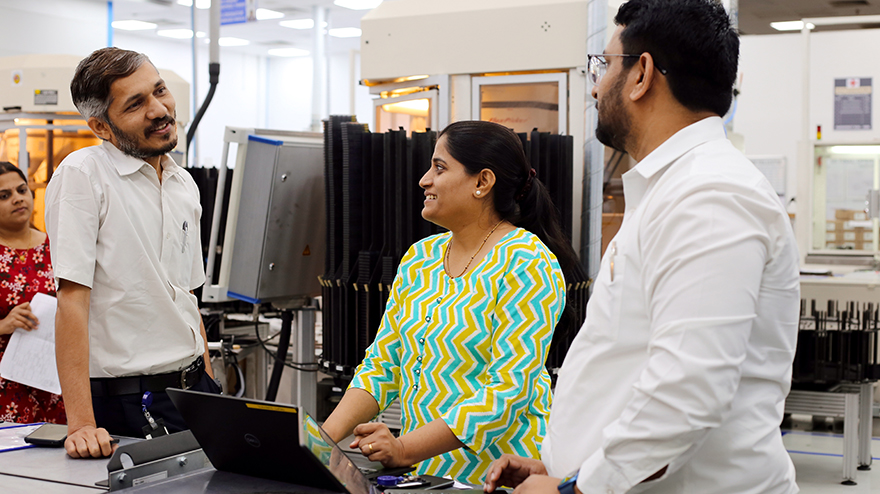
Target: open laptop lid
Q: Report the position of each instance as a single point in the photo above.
(267, 440)
(315, 440)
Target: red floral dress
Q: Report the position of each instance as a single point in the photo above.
(23, 273)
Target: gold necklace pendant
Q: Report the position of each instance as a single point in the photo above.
(446, 257)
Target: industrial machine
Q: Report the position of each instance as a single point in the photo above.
(265, 248)
(508, 80)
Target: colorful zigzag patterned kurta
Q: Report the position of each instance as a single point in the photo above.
(470, 350)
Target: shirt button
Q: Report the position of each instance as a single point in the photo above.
(422, 341)
(439, 299)
(418, 371)
(419, 358)
(168, 236)
(609, 491)
(427, 318)
(415, 386)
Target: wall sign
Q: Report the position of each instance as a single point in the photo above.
(852, 103)
(46, 97)
(237, 11)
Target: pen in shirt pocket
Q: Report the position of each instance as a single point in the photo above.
(613, 253)
(185, 237)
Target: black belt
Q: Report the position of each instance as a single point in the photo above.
(115, 386)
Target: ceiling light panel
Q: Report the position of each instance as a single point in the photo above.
(357, 4)
(200, 4)
(299, 23)
(175, 33)
(133, 25)
(288, 52)
(345, 32)
(266, 14)
(230, 41)
(790, 25)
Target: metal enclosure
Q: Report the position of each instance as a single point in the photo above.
(280, 234)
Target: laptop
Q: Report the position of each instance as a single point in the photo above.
(268, 440)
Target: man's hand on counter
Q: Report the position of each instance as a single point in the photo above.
(89, 442)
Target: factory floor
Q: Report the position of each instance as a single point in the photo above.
(816, 451)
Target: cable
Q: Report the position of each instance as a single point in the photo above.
(293, 365)
(241, 381)
(214, 75)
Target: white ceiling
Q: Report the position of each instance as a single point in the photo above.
(263, 35)
(754, 18)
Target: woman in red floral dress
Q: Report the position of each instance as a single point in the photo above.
(25, 270)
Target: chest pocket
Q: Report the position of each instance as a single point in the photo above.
(607, 297)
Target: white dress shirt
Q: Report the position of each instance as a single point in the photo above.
(685, 357)
(135, 242)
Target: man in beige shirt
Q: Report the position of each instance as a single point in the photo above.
(123, 221)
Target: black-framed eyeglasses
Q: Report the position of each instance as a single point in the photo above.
(597, 65)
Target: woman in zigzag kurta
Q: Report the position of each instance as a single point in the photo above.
(470, 317)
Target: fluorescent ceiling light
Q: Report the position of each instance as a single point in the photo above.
(200, 4)
(872, 150)
(200, 34)
(791, 25)
(345, 32)
(358, 4)
(133, 25)
(843, 20)
(299, 23)
(230, 41)
(175, 33)
(288, 52)
(263, 14)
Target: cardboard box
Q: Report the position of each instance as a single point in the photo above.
(843, 214)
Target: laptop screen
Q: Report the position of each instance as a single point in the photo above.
(327, 452)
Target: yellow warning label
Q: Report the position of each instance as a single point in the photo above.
(271, 408)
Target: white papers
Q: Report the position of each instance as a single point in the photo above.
(30, 356)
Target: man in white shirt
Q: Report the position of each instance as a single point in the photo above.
(676, 381)
(123, 222)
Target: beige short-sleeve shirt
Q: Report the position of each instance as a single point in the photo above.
(135, 242)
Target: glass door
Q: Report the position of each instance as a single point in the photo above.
(844, 176)
(523, 102)
(415, 112)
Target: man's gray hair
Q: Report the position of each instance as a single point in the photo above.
(90, 87)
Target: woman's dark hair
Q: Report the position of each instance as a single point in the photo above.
(693, 40)
(7, 167)
(520, 197)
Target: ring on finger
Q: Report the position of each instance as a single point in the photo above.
(371, 448)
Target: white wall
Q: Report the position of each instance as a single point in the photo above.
(839, 55)
(341, 80)
(772, 108)
(290, 87)
(769, 108)
(75, 27)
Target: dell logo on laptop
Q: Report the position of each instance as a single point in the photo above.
(252, 440)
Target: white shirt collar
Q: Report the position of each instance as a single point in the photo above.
(635, 181)
(126, 165)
